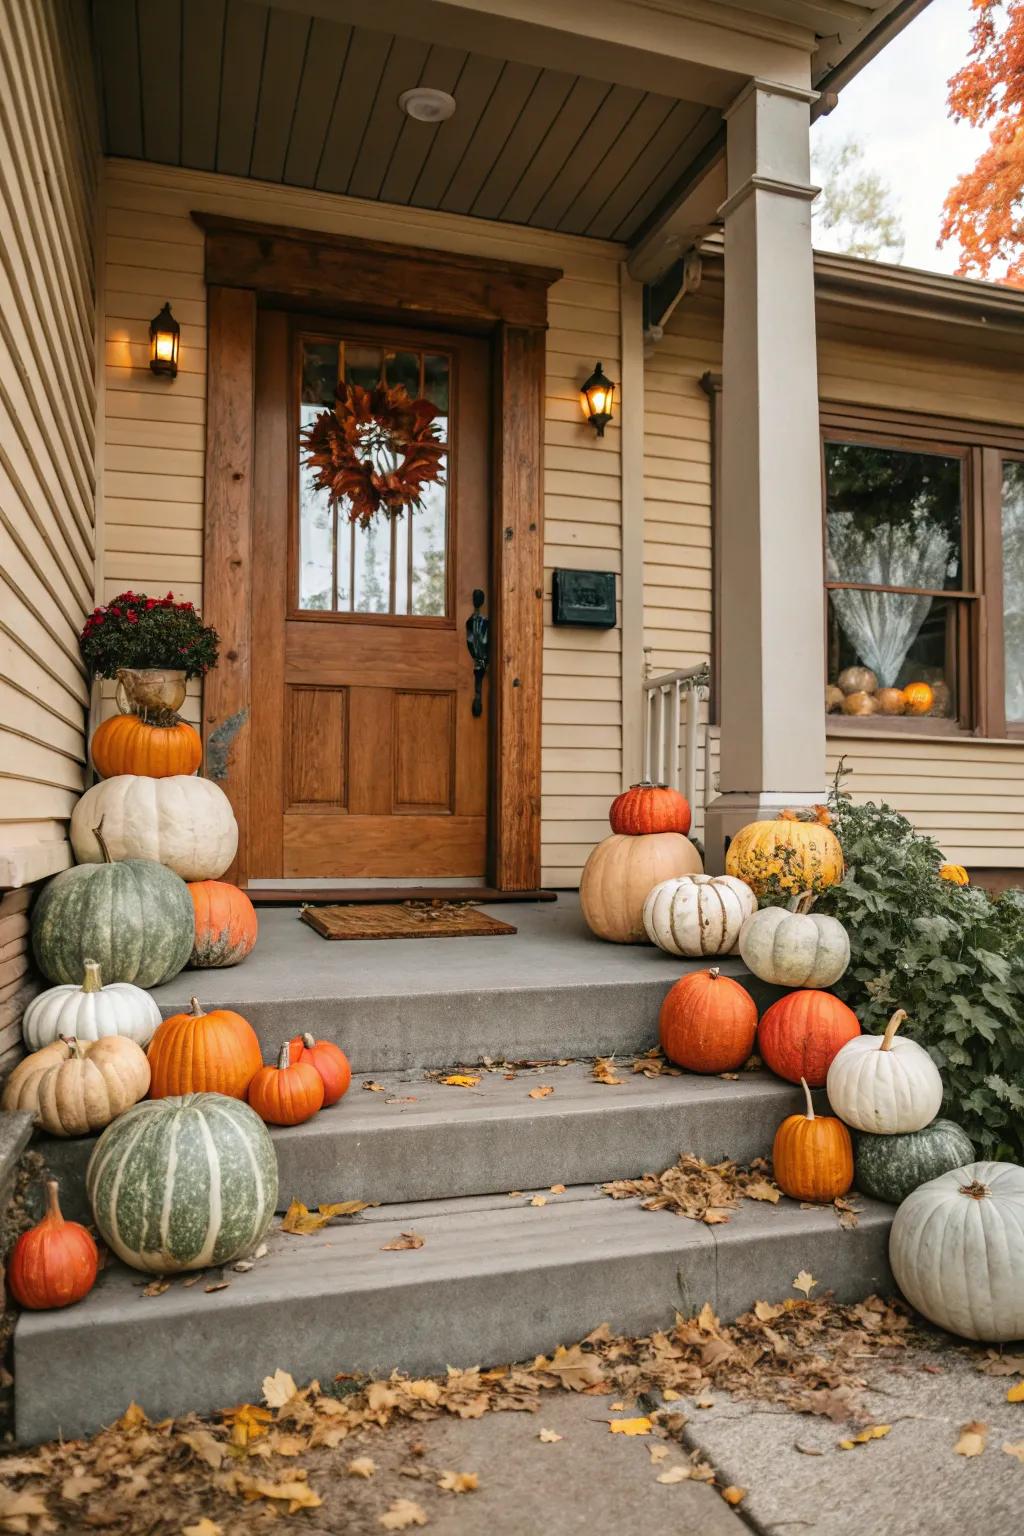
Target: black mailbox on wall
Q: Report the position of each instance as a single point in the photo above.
(583, 597)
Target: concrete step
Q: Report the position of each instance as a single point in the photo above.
(495, 1281)
(418, 1139)
(551, 989)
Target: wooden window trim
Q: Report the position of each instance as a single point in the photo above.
(247, 265)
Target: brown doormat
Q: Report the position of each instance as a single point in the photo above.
(405, 920)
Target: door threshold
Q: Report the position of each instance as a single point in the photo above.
(318, 894)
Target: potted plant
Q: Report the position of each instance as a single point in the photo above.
(152, 646)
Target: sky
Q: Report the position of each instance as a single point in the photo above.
(896, 108)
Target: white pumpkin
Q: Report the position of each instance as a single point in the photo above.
(793, 947)
(957, 1251)
(698, 914)
(183, 822)
(884, 1084)
(90, 1011)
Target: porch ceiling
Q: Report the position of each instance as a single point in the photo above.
(583, 118)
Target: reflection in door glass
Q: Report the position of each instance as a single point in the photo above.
(399, 566)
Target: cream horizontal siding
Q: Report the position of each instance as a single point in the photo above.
(49, 170)
(154, 439)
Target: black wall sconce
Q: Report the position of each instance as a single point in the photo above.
(164, 335)
(597, 397)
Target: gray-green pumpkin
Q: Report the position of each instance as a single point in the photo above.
(183, 1183)
(892, 1167)
(135, 918)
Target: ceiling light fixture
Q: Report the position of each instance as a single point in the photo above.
(426, 104)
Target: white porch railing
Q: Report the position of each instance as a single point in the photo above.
(672, 730)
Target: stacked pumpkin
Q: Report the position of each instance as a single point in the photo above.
(648, 845)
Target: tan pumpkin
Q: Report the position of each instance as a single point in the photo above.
(857, 680)
(621, 872)
(891, 701)
(860, 704)
(75, 1087)
(834, 699)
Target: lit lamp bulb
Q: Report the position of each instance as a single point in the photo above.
(164, 334)
(597, 398)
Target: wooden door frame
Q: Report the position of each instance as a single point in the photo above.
(247, 265)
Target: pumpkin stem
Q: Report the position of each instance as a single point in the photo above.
(308, 1040)
(976, 1190)
(284, 1057)
(76, 1050)
(194, 1009)
(97, 833)
(807, 1096)
(891, 1028)
(715, 972)
(54, 1214)
(91, 979)
(801, 903)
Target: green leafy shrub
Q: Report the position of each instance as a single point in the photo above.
(951, 955)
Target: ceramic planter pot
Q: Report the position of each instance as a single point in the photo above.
(150, 690)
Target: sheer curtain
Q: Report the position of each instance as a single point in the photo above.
(882, 626)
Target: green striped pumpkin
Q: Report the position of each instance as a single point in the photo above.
(135, 918)
(892, 1167)
(183, 1183)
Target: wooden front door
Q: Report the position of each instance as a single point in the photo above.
(369, 762)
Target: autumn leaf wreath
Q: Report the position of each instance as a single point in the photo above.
(375, 451)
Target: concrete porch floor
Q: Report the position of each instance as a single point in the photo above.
(549, 990)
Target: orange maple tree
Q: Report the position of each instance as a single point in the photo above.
(983, 210)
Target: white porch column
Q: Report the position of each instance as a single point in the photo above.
(771, 667)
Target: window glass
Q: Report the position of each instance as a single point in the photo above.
(893, 521)
(1013, 587)
(394, 566)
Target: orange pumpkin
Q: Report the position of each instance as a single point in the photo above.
(812, 1157)
(328, 1059)
(860, 704)
(199, 1052)
(799, 1035)
(128, 744)
(55, 1263)
(226, 924)
(288, 1093)
(647, 807)
(918, 698)
(708, 1022)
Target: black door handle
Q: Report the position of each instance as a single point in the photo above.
(478, 644)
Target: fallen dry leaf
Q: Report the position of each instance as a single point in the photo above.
(406, 1240)
(807, 1450)
(616, 1407)
(515, 1194)
(734, 1495)
(157, 1287)
(765, 1312)
(1015, 1394)
(79, 1483)
(804, 1282)
(372, 1087)
(1016, 1449)
(278, 1389)
(574, 1368)
(401, 1514)
(361, 1466)
(203, 1527)
(604, 1072)
(548, 1437)
(872, 1432)
(293, 1491)
(301, 1221)
(217, 1285)
(539, 1200)
(206, 1446)
(558, 1189)
(641, 1426)
(459, 1080)
(458, 1482)
(705, 1192)
(657, 1453)
(674, 1475)
(998, 1363)
(426, 1391)
(542, 1091)
(972, 1439)
(247, 1422)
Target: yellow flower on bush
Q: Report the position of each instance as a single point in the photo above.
(955, 873)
